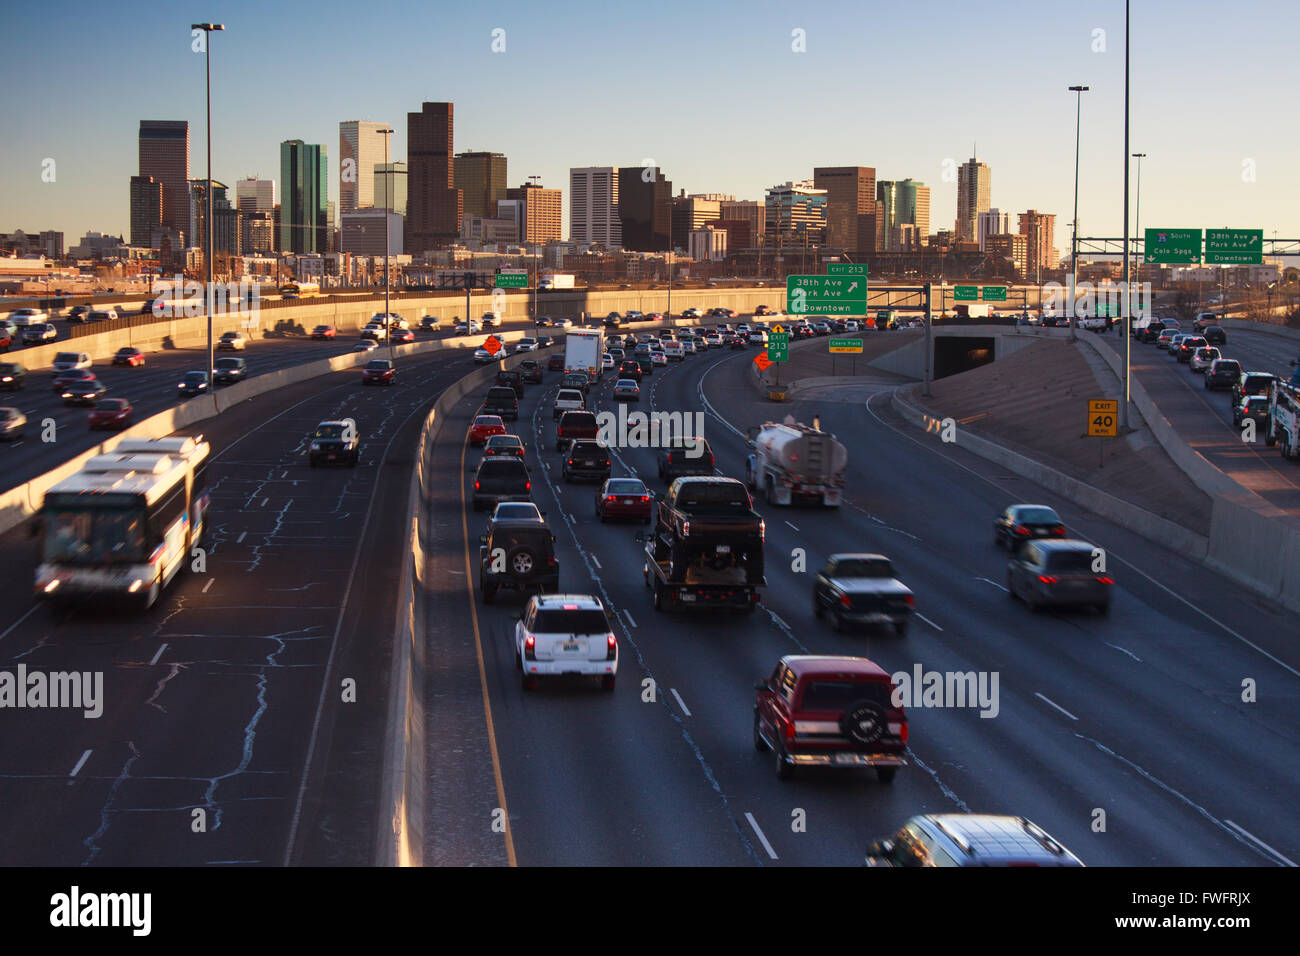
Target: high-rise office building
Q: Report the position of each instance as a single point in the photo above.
(196, 233)
(916, 199)
(593, 206)
(361, 149)
(543, 219)
(362, 232)
(255, 195)
(146, 209)
(1011, 245)
(995, 222)
(707, 244)
(1039, 230)
(973, 190)
(304, 211)
(433, 204)
(850, 192)
(796, 216)
(744, 210)
(481, 179)
(165, 155)
(645, 209)
(258, 233)
(691, 213)
(902, 203)
(394, 174)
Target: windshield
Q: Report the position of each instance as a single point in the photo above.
(94, 536)
(520, 510)
(858, 568)
(1079, 562)
(585, 621)
(66, 357)
(700, 496)
(195, 378)
(625, 486)
(329, 431)
(227, 363)
(1037, 516)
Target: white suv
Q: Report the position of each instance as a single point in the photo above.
(24, 318)
(67, 361)
(561, 634)
(567, 400)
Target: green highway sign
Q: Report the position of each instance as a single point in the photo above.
(846, 269)
(846, 345)
(778, 344)
(1173, 246)
(828, 295)
(512, 280)
(994, 293)
(966, 293)
(1228, 246)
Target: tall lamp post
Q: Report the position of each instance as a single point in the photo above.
(208, 29)
(1078, 92)
(388, 202)
(1137, 228)
(1128, 292)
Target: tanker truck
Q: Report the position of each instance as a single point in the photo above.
(792, 460)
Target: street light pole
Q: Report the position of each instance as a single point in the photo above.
(1078, 92)
(208, 29)
(388, 201)
(1128, 291)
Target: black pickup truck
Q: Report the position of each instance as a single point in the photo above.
(707, 548)
(683, 457)
(501, 400)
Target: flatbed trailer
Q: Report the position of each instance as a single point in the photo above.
(698, 586)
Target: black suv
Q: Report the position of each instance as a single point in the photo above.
(334, 441)
(576, 380)
(586, 459)
(517, 554)
(229, 370)
(1222, 373)
(530, 372)
(501, 400)
(501, 478)
(511, 378)
(1252, 383)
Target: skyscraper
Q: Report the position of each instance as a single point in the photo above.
(850, 193)
(255, 195)
(645, 209)
(361, 149)
(394, 173)
(542, 213)
(691, 213)
(973, 187)
(995, 222)
(304, 177)
(434, 204)
(165, 155)
(796, 215)
(747, 211)
(593, 206)
(146, 209)
(1039, 229)
(481, 179)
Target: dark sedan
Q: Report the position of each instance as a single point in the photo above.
(84, 392)
(624, 498)
(1020, 523)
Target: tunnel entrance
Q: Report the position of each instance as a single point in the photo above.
(954, 354)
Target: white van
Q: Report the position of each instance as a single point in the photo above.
(67, 361)
(22, 318)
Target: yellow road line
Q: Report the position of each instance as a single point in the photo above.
(482, 672)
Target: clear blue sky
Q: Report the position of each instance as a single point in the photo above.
(711, 92)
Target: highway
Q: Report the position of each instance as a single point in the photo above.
(1204, 418)
(216, 698)
(1137, 715)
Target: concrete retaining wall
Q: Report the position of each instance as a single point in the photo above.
(910, 359)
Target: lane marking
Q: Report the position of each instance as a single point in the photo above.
(1123, 651)
(627, 614)
(30, 611)
(680, 703)
(761, 837)
(1250, 836)
(1057, 706)
(927, 620)
(994, 583)
(208, 585)
(80, 763)
(264, 501)
(796, 529)
(1128, 564)
(595, 562)
(240, 539)
(158, 653)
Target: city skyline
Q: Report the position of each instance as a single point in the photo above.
(955, 106)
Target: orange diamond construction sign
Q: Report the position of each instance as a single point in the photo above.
(762, 361)
(493, 345)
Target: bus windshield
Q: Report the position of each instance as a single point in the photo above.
(95, 536)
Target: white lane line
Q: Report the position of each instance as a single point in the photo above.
(240, 539)
(595, 562)
(1057, 706)
(284, 474)
(994, 583)
(680, 703)
(80, 763)
(928, 621)
(1128, 564)
(627, 615)
(30, 611)
(796, 529)
(158, 654)
(1123, 650)
(264, 501)
(1254, 839)
(762, 839)
(208, 585)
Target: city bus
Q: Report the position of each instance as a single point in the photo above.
(299, 290)
(120, 529)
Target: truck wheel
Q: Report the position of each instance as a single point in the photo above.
(886, 774)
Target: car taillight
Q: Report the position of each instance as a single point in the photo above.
(1021, 529)
(570, 461)
(606, 464)
(530, 648)
(1047, 579)
(902, 732)
(1059, 530)
(788, 730)
(1105, 580)
(762, 529)
(911, 601)
(476, 486)
(611, 497)
(611, 647)
(844, 599)
(528, 486)
(645, 497)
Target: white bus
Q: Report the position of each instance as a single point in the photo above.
(124, 525)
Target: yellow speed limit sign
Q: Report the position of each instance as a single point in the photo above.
(1103, 418)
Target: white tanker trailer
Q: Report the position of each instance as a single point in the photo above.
(792, 460)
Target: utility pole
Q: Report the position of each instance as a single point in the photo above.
(1078, 92)
(1128, 307)
(208, 29)
(388, 193)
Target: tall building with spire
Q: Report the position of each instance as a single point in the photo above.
(973, 192)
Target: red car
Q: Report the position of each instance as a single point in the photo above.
(830, 712)
(623, 498)
(129, 357)
(484, 427)
(402, 336)
(111, 413)
(323, 332)
(379, 371)
(75, 376)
